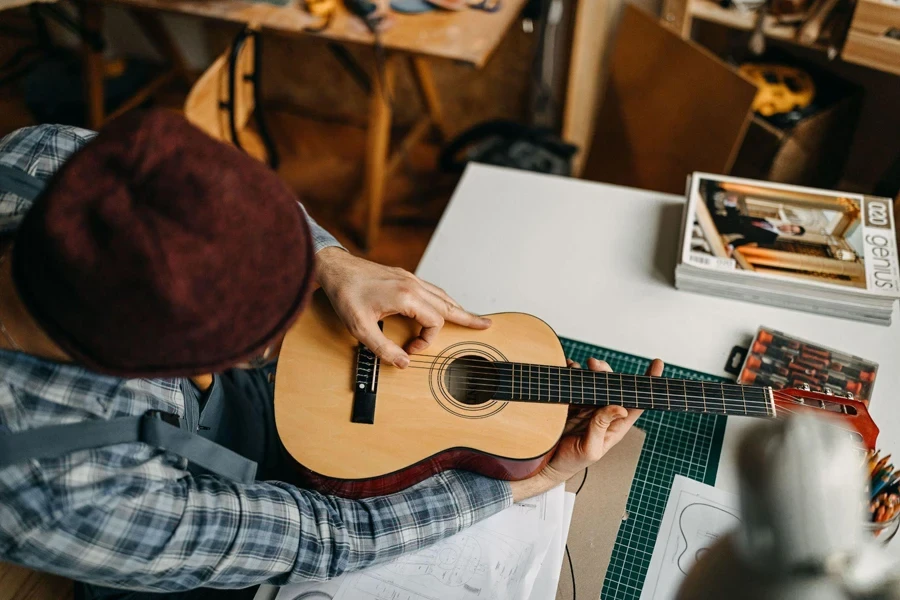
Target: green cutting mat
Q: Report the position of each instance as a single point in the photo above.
(676, 444)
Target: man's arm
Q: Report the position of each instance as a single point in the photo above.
(140, 532)
(207, 532)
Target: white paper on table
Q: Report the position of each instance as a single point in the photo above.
(548, 578)
(498, 558)
(696, 516)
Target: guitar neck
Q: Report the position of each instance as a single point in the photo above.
(542, 383)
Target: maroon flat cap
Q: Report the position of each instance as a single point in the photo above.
(156, 251)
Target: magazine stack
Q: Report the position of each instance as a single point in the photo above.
(821, 251)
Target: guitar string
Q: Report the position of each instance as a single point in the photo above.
(492, 370)
(491, 375)
(703, 399)
(641, 396)
(487, 366)
(724, 386)
(490, 385)
(495, 379)
(493, 382)
(725, 402)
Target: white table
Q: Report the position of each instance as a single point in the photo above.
(597, 263)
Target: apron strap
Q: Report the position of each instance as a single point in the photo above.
(151, 429)
(20, 183)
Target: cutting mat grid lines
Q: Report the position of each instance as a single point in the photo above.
(676, 444)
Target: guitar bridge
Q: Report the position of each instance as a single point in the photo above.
(365, 386)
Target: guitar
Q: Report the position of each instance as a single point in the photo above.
(492, 401)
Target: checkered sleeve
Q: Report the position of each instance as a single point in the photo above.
(38, 151)
(207, 532)
(321, 238)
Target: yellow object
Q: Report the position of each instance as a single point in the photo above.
(321, 8)
(780, 88)
(113, 68)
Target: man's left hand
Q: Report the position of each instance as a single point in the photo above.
(363, 292)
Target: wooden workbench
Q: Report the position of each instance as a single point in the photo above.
(469, 36)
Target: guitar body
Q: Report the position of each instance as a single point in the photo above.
(420, 428)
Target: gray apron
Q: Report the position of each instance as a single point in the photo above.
(227, 430)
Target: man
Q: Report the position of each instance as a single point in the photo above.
(751, 230)
(740, 229)
(148, 262)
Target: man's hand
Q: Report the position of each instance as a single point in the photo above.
(587, 437)
(362, 293)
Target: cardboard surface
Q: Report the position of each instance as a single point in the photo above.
(670, 108)
(599, 510)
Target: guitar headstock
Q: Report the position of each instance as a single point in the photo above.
(852, 412)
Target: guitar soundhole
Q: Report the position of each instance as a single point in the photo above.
(471, 380)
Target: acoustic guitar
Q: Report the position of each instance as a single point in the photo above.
(492, 401)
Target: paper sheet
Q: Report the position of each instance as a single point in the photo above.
(500, 558)
(696, 516)
(548, 578)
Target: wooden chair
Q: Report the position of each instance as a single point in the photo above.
(227, 95)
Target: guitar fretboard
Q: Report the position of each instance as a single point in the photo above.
(542, 383)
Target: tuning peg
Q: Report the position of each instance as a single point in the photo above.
(803, 387)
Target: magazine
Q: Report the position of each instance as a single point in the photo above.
(787, 236)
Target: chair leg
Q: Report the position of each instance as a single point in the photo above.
(425, 83)
(92, 59)
(377, 145)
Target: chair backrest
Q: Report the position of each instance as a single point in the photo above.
(207, 104)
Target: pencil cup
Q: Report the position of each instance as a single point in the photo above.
(884, 531)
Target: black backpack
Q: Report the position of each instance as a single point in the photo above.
(509, 144)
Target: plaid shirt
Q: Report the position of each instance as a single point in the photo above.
(131, 516)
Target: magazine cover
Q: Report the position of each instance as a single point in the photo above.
(786, 232)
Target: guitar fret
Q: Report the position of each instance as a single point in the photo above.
(550, 391)
(683, 392)
(613, 388)
(629, 391)
(581, 381)
(644, 389)
(544, 384)
(558, 374)
(660, 392)
(744, 400)
(528, 395)
(724, 397)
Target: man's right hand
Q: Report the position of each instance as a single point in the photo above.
(583, 445)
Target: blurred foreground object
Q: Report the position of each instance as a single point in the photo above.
(802, 535)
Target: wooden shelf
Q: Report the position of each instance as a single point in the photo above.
(680, 14)
(707, 10)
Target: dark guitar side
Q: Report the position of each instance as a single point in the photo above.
(458, 458)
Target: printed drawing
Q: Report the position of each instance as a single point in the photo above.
(463, 566)
(453, 563)
(699, 526)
